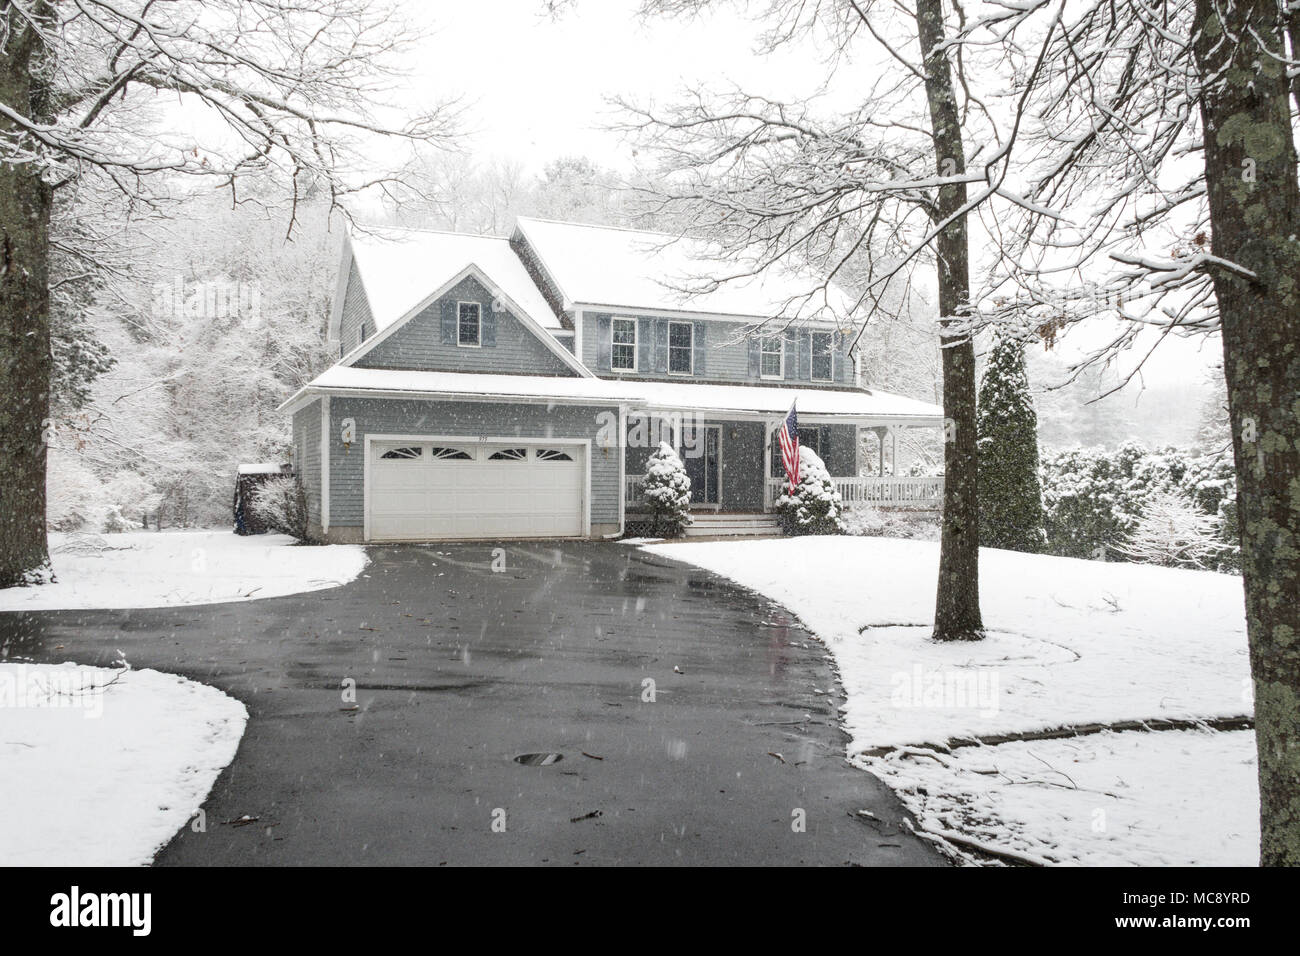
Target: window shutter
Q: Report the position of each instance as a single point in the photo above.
(604, 343)
(755, 357)
(697, 340)
(448, 323)
(488, 327)
(661, 345)
(805, 356)
(791, 355)
(644, 334)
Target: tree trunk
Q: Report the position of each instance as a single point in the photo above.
(1254, 199)
(25, 362)
(957, 604)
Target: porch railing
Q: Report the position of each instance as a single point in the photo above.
(923, 493)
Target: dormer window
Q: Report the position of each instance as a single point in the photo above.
(622, 354)
(469, 324)
(822, 363)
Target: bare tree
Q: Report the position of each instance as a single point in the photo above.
(872, 194)
(86, 89)
(1165, 192)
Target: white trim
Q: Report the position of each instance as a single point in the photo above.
(541, 440)
(812, 335)
(780, 340)
(469, 345)
(691, 350)
(324, 464)
(539, 331)
(636, 344)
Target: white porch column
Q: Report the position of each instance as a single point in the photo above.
(880, 451)
(893, 449)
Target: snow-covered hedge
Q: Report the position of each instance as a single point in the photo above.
(872, 522)
(667, 492)
(1095, 500)
(813, 506)
(282, 504)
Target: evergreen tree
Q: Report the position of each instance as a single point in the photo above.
(667, 491)
(1011, 500)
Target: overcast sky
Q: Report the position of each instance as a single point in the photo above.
(540, 86)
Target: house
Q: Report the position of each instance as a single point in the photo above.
(492, 387)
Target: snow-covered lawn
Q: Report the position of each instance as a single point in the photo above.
(103, 766)
(1167, 798)
(1070, 643)
(163, 569)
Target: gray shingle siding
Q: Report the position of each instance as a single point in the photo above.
(722, 354)
(355, 322)
(537, 272)
(376, 416)
(508, 345)
(306, 456)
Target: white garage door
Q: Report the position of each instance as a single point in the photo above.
(421, 491)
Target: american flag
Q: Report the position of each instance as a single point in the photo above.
(789, 439)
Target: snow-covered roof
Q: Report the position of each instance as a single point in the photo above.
(260, 468)
(672, 396)
(401, 267)
(600, 265)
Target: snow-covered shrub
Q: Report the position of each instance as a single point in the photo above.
(872, 522)
(667, 492)
(281, 503)
(1174, 533)
(813, 506)
(1089, 507)
(115, 522)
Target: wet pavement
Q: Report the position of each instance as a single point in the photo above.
(694, 722)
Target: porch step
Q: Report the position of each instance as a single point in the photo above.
(706, 524)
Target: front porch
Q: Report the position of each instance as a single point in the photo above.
(916, 494)
(735, 467)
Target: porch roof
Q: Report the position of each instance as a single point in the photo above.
(731, 401)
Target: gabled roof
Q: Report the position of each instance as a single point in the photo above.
(741, 400)
(629, 268)
(400, 267)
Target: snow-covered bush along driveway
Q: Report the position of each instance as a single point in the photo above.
(102, 766)
(162, 569)
(1070, 642)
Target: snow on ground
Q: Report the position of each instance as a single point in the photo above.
(1070, 642)
(103, 766)
(163, 569)
(1168, 798)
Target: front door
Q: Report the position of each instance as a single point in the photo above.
(701, 451)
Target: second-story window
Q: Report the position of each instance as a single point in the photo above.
(681, 348)
(469, 324)
(773, 357)
(622, 354)
(822, 367)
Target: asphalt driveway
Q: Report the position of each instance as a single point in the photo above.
(459, 669)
